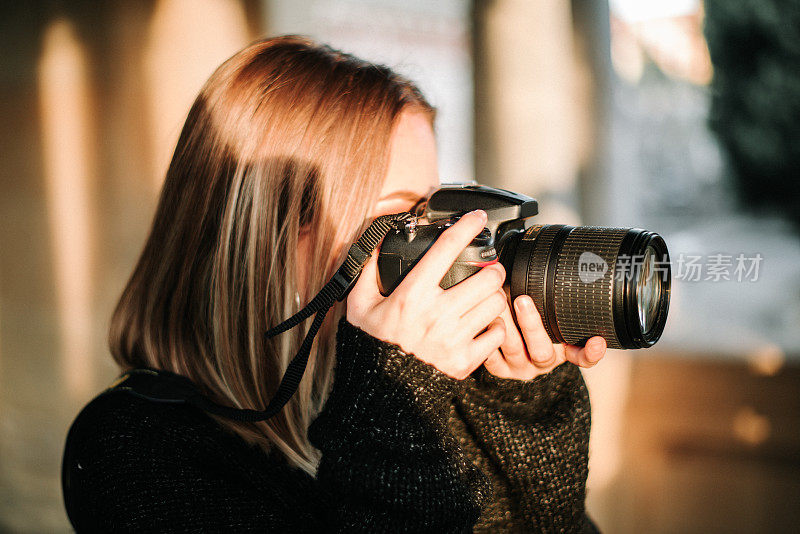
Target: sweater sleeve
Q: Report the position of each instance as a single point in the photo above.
(531, 439)
(389, 460)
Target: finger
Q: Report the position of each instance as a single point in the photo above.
(497, 365)
(365, 293)
(476, 319)
(588, 355)
(488, 342)
(468, 293)
(435, 263)
(539, 344)
(513, 348)
(595, 349)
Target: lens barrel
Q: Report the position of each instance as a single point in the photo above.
(592, 281)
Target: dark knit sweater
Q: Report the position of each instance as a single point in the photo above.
(404, 448)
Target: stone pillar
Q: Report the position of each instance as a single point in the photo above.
(527, 127)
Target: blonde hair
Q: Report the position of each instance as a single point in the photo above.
(286, 136)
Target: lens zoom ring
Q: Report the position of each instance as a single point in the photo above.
(537, 265)
(583, 296)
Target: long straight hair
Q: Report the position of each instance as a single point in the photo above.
(286, 137)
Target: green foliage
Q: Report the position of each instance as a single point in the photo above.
(755, 108)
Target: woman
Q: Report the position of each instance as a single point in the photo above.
(428, 410)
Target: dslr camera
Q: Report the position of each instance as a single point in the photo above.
(585, 280)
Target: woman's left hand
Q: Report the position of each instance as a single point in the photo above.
(528, 351)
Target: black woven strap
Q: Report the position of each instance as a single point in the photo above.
(347, 274)
(161, 386)
(289, 383)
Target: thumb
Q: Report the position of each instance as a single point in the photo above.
(366, 294)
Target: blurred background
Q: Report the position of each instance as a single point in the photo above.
(679, 116)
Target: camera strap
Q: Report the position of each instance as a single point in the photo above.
(162, 386)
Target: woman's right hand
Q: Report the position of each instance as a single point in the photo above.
(454, 330)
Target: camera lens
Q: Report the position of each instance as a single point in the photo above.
(591, 280)
(648, 291)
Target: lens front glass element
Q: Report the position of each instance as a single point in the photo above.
(648, 290)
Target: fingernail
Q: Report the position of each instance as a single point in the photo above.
(499, 268)
(479, 213)
(595, 351)
(523, 303)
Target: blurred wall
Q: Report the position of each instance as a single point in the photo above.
(530, 110)
(93, 96)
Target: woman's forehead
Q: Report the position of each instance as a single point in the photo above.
(413, 164)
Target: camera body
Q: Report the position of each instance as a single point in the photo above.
(584, 280)
(402, 248)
